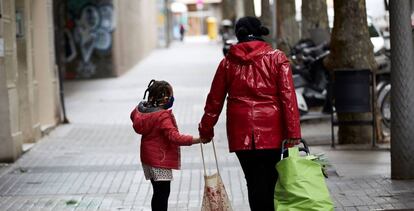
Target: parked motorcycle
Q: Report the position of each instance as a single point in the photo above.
(227, 44)
(310, 76)
(383, 88)
(227, 35)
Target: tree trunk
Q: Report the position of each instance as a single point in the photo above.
(267, 17)
(314, 15)
(402, 110)
(239, 7)
(229, 9)
(287, 27)
(249, 8)
(351, 48)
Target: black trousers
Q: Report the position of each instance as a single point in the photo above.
(161, 189)
(261, 176)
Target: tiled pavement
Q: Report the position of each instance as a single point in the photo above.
(93, 163)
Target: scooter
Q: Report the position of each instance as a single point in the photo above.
(311, 78)
(227, 35)
(383, 87)
(227, 45)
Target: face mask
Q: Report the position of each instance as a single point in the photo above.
(170, 103)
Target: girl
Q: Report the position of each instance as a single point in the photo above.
(161, 141)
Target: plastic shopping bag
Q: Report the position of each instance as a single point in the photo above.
(301, 184)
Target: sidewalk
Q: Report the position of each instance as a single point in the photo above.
(93, 163)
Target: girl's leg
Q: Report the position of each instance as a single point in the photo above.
(261, 176)
(160, 196)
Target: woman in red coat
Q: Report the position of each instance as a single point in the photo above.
(261, 108)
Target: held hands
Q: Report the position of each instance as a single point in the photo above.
(197, 140)
(205, 140)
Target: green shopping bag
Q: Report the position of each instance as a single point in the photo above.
(301, 185)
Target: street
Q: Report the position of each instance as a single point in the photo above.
(93, 162)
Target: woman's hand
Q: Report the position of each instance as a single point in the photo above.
(205, 140)
(293, 142)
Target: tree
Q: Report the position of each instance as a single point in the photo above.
(228, 9)
(402, 54)
(267, 17)
(351, 48)
(287, 27)
(248, 8)
(314, 15)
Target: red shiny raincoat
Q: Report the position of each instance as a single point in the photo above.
(261, 102)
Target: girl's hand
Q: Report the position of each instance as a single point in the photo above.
(196, 140)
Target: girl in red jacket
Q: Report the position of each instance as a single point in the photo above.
(161, 141)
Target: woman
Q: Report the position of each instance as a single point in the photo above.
(261, 108)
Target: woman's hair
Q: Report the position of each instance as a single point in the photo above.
(157, 91)
(248, 27)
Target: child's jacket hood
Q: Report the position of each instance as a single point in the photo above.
(146, 118)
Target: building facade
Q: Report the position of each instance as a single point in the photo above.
(105, 38)
(29, 85)
(44, 41)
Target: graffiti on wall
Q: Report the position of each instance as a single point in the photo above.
(88, 32)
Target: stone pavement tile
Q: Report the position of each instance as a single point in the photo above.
(379, 197)
(16, 204)
(400, 206)
(96, 185)
(87, 183)
(4, 167)
(66, 185)
(126, 182)
(410, 204)
(375, 207)
(144, 191)
(68, 202)
(117, 182)
(50, 204)
(106, 203)
(107, 182)
(350, 208)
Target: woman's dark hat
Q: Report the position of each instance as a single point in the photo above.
(250, 26)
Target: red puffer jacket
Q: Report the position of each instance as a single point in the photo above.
(161, 141)
(261, 104)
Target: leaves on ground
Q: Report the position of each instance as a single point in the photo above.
(72, 202)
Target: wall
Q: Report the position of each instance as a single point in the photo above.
(136, 33)
(88, 37)
(11, 137)
(105, 38)
(29, 124)
(28, 85)
(48, 107)
(6, 140)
